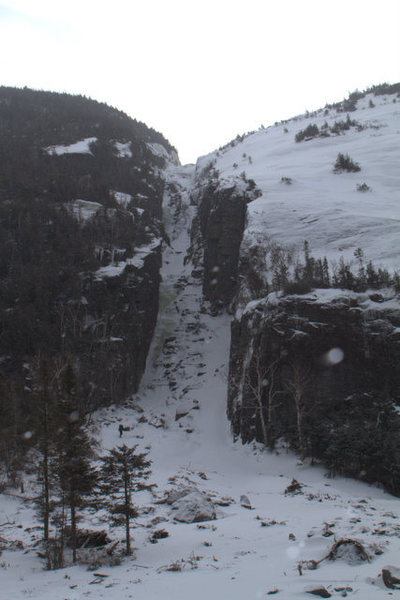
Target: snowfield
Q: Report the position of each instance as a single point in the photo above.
(123, 149)
(303, 199)
(80, 147)
(262, 545)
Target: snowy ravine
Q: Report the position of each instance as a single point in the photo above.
(179, 415)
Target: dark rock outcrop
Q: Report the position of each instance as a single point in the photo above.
(222, 218)
(121, 315)
(327, 364)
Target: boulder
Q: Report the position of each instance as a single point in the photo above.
(245, 502)
(176, 494)
(352, 551)
(321, 591)
(389, 580)
(194, 507)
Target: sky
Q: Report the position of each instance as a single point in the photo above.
(201, 72)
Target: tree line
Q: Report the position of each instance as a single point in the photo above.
(301, 275)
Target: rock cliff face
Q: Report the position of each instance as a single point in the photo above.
(120, 317)
(320, 370)
(81, 189)
(222, 218)
(217, 231)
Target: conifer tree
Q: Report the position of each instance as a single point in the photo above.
(76, 477)
(309, 263)
(7, 425)
(44, 417)
(120, 472)
(325, 272)
(12, 426)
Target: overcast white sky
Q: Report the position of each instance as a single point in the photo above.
(201, 72)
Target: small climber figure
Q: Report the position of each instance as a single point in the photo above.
(121, 429)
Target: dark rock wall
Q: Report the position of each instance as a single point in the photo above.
(300, 330)
(222, 215)
(121, 315)
(346, 354)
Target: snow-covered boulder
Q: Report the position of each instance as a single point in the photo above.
(193, 507)
(177, 493)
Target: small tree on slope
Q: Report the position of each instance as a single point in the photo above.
(45, 422)
(76, 477)
(119, 476)
(345, 163)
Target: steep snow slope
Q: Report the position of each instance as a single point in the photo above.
(245, 552)
(303, 199)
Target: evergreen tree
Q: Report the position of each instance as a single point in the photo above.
(6, 433)
(344, 278)
(309, 264)
(120, 472)
(325, 272)
(345, 163)
(361, 276)
(44, 418)
(363, 440)
(76, 476)
(12, 423)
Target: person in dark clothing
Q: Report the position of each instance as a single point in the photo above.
(121, 429)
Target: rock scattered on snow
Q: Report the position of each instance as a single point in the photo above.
(389, 580)
(352, 551)
(322, 592)
(294, 487)
(194, 507)
(343, 590)
(225, 501)
(180, 414)
(245, 502)
(158, 534)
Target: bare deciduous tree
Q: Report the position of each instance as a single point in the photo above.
(296, 383)
(261, 382)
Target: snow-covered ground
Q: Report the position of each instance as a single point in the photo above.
(245, 553)
(303, 199)
(123, 149)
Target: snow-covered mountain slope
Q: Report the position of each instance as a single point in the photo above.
(304, 199)
(246, 552)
